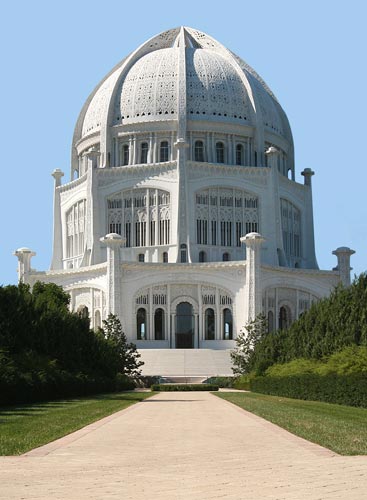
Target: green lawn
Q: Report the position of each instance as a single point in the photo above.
(24, 427)
(342, 429)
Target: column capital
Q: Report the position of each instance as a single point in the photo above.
(57, 174)
(252, 239)
(24, 256)
(343, 251)
(272, 151)
(113, 240)
(307, 174)
(181, 143)
(343, 255)
(24, 251)
(272, 155)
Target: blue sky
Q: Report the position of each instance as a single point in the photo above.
(312, 55)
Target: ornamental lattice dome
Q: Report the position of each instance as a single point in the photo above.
(220, 87)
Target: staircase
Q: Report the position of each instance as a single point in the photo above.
(186, 365)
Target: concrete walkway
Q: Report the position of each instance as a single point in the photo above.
(182, 446)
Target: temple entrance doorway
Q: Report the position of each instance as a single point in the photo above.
(184, 326)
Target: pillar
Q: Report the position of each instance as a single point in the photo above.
(343, 255)
(56, 262)
(113, 241)
(24, 263)
(276, 235)
(308, 238)
(253, 242)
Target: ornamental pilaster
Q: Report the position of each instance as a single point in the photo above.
(24, 256)
(253, 242)
(113, 242)
(343, 255)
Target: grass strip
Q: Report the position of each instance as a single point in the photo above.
(342, 429)
(24, 427)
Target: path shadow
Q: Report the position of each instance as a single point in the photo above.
(172, 400)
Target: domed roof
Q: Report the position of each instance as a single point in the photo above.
(219, 87)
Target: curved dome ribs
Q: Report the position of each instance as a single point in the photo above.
(144, 88)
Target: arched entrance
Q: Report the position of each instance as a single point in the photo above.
(184, 326)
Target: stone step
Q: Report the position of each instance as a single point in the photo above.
(182, 380)
(197, 363)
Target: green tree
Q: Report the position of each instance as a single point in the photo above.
(129, 362)
(243, 355)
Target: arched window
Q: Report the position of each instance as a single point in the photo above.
(125, 154)
(226, 257)
(75, 228)
(291, 228)
(219, 148)
(239, 154)
(165, 257)
(144, 152)
(183, 249)
(199, 151)
(270, 321)
(128, 215)
(159, 324)
(97, 319)
(227, 324)
(163, 151)
(223, 215)
(141, 318)
(209, 324)
(141, 257)
(284, 318)
(202, 256)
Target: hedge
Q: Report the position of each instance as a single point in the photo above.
(222, 382)
(33, 387)
(348, 390)
(243, 382)
(184, 387)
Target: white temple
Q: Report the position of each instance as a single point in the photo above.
(182, 215)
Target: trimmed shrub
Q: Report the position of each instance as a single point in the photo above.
(184, 387)
(243, 382)
(124, 383)
(296, 367)
(351, 359)
(332, 388)
(221, 382)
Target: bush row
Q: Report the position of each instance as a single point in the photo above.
(222, 382)
(184, 387)
(243, 382)
(330, 325)
(41, 386)
(332, 388)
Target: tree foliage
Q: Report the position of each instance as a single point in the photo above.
(129, 363)
(47, 351)
(327, 327)
(243, 355)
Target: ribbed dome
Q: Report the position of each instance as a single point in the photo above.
(149, 91)
(220, 87)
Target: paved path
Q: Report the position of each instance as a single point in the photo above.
(182, 446)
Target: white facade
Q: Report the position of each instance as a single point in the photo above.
(181, 156)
